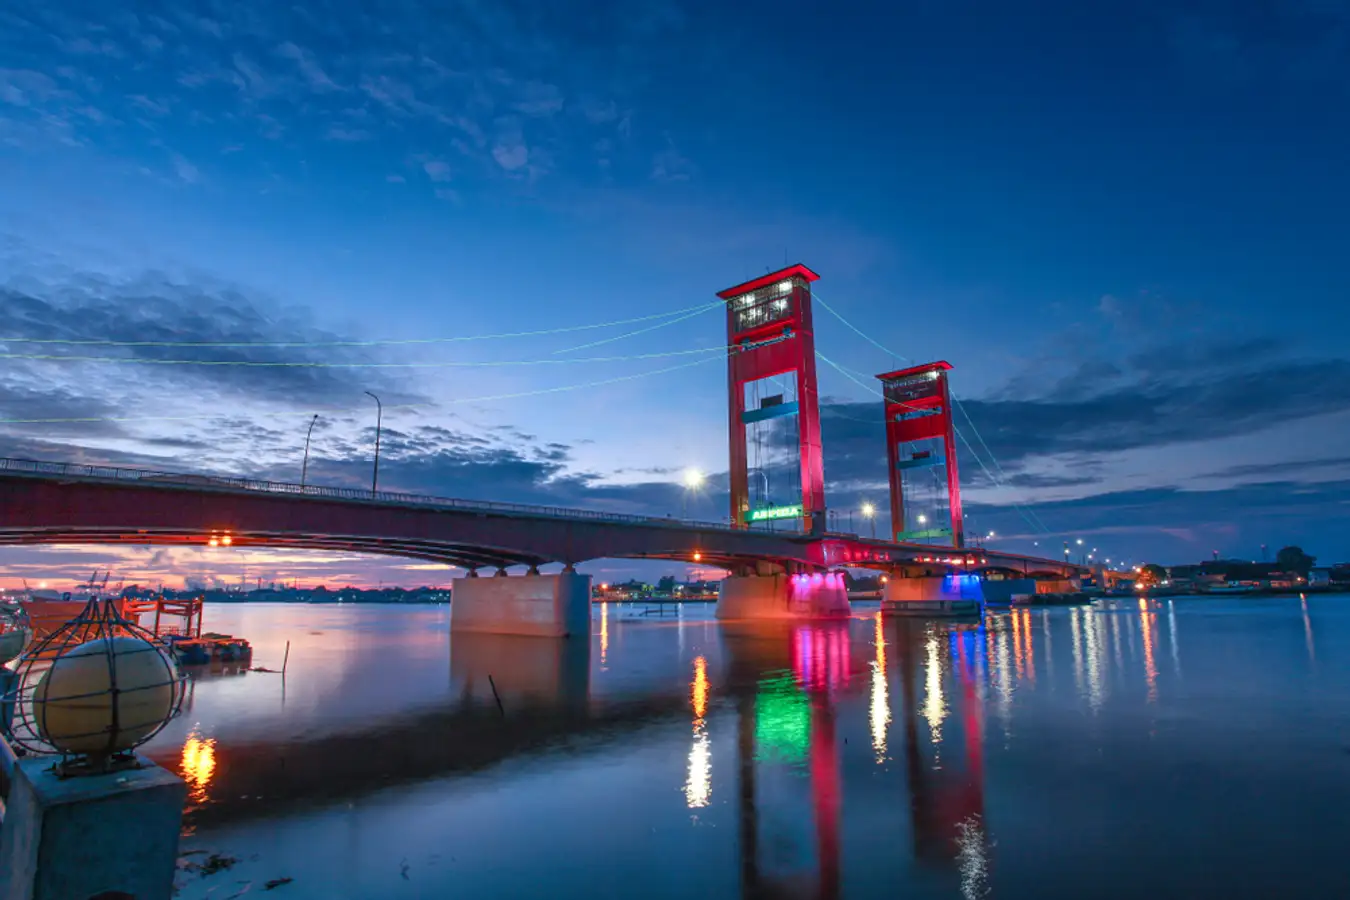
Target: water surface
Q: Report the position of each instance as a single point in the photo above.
(1181, 748)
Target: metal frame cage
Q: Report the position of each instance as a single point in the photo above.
(101, 620)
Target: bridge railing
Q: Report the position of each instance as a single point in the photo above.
(254, 485)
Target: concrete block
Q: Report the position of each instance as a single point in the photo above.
(816, 596)
(537, 605)
(931, 589)
(1001, 593)
(76, 838)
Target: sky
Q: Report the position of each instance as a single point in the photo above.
(1123, 224)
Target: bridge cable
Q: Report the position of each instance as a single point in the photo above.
(337, 411)
(686, 312)
(956, 401)
(319, 364)
(992, 477)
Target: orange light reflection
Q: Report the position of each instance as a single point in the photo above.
(198, 765)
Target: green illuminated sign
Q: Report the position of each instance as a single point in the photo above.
(776, 512)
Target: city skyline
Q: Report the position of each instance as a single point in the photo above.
(1133, 270)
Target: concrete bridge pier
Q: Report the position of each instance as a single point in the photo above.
(757, 594)
(932, 593)
(535, 605)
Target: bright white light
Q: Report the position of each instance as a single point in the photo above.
(869, 510)
(785, 286)
(922, 519)
(1080, 542)
(42, 585)
(698, 786)
(693, 479)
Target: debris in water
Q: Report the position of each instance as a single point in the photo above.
(276, 883)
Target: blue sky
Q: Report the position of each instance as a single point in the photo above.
(1122, 223)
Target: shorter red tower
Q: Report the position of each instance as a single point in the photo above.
(921, 438)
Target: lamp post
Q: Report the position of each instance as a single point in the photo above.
(304, 467)
(870, 513)
(379, 421)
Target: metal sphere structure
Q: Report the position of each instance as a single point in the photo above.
(93, 690)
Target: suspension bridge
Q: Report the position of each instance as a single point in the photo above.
(776, 478)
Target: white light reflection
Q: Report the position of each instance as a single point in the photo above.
(698, 786)
(1146, 628)
(881, 700)
(934, 706)
(1096, 659)
(1172, 630)
(698, 789)
(604, 634)
(1004, 683)
(1076, 639)
(1307, 628)
(972, 858)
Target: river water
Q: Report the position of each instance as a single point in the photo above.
(1167, 748)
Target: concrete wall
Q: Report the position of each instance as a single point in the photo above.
(74, 838)
(815, 596)
(536, 605)
(1000, 593)
(929, 589)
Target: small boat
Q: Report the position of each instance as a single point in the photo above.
(48, 610)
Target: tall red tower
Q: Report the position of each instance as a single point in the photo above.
(919, 416)
(771, 375)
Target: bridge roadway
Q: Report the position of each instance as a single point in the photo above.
(63, 503)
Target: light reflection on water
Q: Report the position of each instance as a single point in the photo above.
(676, 756)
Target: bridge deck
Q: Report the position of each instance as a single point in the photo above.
(48, 502)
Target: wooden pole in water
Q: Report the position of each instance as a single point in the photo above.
(501, 709)
(286, 659)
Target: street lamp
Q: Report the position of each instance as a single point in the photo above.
(870, 512)
(379, 421)
(304, 467)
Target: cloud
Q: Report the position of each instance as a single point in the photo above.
(537, 99)
(25, 87)
(671, 165)
(511, 153)
(348, 135)
(153, 307)
(186, 171)
(309, 67)
(437, 170)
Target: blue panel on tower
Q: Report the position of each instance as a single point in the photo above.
(770, 412)
(922, 463)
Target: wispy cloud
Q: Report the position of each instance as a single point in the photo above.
(186, 171)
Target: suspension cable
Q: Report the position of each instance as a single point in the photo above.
(686, 312)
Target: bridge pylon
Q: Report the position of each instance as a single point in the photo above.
(921, 439)
(771, 382)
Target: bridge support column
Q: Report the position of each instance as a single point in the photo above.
(1001, 593)
(82, 837)
(933, 595)
(537, 605)
(815, 596)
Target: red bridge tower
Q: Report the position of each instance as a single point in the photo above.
(919, 415)
(771, 374)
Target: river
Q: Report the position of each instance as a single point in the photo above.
(1165, 748)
